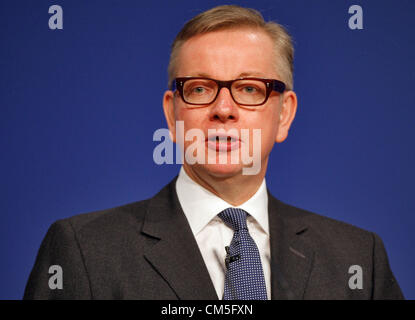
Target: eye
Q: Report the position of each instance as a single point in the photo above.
(198, 90)
(199, 87)
(249, 89)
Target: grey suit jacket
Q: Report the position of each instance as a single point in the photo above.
(146, 250)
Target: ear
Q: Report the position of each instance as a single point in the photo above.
(168, 107)
(287, 114)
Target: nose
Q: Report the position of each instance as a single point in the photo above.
(224, 107)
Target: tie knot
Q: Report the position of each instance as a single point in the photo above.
(234, 218)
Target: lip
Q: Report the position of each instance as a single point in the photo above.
(223, 142)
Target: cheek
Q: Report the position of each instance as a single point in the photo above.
(269, 128)
(269, 134)
(189, 115)
(188, 119)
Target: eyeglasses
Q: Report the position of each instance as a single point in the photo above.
(250, 92)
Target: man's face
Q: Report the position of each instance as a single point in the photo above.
(228, 55)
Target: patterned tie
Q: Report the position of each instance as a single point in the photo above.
(244, 279)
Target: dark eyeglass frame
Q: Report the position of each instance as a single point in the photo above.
(270, 84)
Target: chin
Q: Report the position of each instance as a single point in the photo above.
(222, 170)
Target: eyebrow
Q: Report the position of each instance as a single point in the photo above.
(202, 74)
(251, 74)
(241, 75)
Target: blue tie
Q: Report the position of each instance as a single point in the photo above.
(244, 279)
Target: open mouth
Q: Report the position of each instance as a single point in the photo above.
(223, 139)
(223, 142)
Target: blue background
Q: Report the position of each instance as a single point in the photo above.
(79, 107)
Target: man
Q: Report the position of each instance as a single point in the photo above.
(215, 231)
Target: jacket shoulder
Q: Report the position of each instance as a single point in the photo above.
(337, 247)
(115, 217)
(324, 226)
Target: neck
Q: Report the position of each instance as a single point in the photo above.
(234, 189)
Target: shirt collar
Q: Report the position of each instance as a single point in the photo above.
(200, 205)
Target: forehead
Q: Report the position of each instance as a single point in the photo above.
(227, 54)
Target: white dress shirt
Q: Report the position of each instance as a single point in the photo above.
(201, 208)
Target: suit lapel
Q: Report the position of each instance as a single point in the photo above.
(175, 255)
(291, 257)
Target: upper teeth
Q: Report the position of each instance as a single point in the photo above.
(223, 138)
